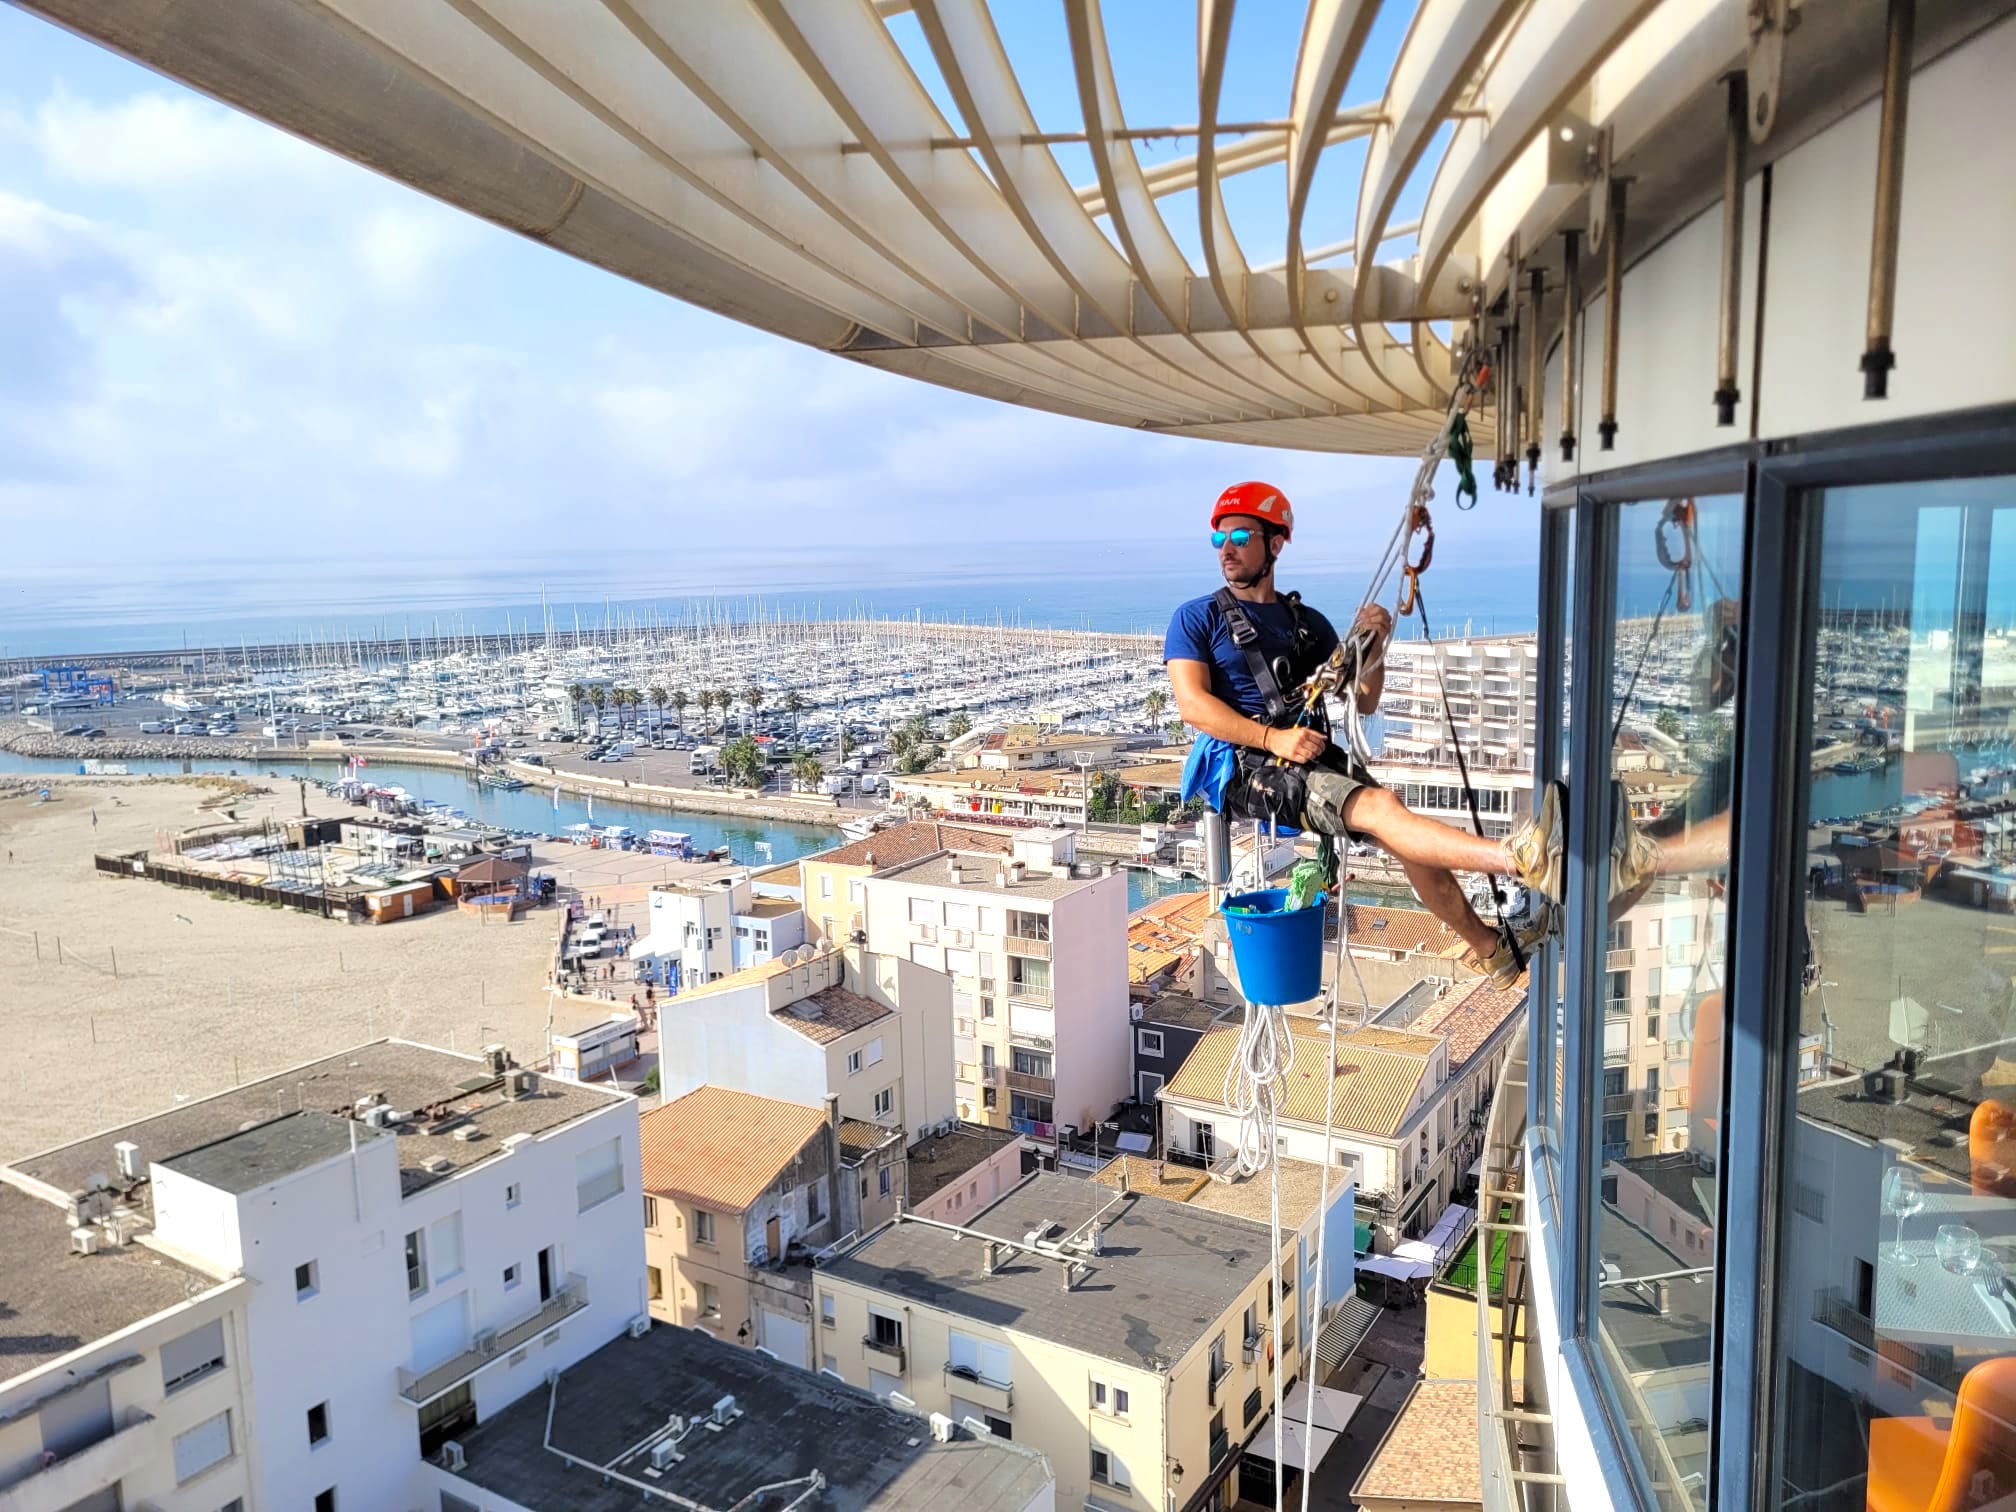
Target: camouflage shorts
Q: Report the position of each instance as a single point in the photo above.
(1309, 798)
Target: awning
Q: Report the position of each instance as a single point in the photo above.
(1396, 1268)
(1308, 1428)
(1339, 1338)
(1361, 1237)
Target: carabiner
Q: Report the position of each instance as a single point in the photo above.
(1680, 513)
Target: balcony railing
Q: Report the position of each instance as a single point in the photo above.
(1620, 960)
(87, 1472)
(1020, 992)
(924, 934)
(1040, 1086)
(887, 1348)
(1035, 1128)
(1036, 950)
(975, 1387)
(421, 1388)
(1221, 1445)
(1220, 1369)
(1619, 1102)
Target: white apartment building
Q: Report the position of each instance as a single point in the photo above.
(704, 927)
(874, 1031)
(1493, 686)
(1036, 945)
(414, 1239)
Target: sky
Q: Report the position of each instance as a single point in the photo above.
(226, 347)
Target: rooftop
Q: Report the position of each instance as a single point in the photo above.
(1152, 774)
(1931, 1118)
(262, 1154)
(1176, 1011)
(1429, 1453)
(1160, 932)
(793, 1421)
(831, 1014)
(442, 1089)
(1375, 1083)
(937, 1163)
(771, 908)
(911, 842)
(860, 1136)
(723, 1149)
(1409, 930)
(984, 779)
(979, 874)
(1682, 1177)
(1468, 1017)
(53, 1302)
(1244, 1197)
(1169, 1271)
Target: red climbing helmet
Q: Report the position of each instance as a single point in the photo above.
(1261, 501)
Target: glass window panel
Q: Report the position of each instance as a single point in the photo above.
(1897, 1328)
(1553, 1048)
(1669, 719)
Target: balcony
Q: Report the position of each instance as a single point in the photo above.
(1020, 993)
(976, 1388)
(1220, 1369)
(1036, 950)
(1221, 1445)
(961, 939)
(1035, 1128)
(420, 1389)
(1619, 1102)
(1620, 960)
(1040, 1086)
(924, 934)
(133, 1442)
(889, 1349)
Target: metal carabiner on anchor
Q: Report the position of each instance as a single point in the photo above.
(1410, 572)
(1678, 513)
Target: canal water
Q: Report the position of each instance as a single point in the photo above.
(751, 841)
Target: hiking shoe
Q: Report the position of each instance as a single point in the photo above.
(1527, 925)
(1535, 847)
(1633, 853)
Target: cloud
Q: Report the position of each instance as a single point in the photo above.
(165, 144)
(400, 247)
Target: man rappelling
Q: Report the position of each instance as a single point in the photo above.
(1238, 658)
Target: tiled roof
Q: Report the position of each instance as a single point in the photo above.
(1375, 1087)
(1414, 1041)
(1154, 774)
(859, 1134)
(1468, 1019)
(720, 1148)
(1411, 930)
(1430, 1452)
(1159, 933)
(911, 842)
(840, 1012)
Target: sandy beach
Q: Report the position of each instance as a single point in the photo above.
(145, 994)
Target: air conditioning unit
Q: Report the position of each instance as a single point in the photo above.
(85, 1241)
(380, 1116)
(127, 1154)
(1136, 1012)
(640, 1325)
(902, 1402)
(1249, 1349)
(452, 1457)
(725, 1412)
(665, 1454)
(975, 1427)
(484, 1341)
(941, 1428)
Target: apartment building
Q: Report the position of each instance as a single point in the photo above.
(715, 921)
(874, 1031)
(1035, 797)
(739, 1191)
(833, 881)
(421, 1236)
(1027, 748)
(1493, 692)
(963, 1170)
(124, 1378)
(1035, 945)
(675, 1417)
(1029, 1319)
(1663, 956)
(1406, 1109)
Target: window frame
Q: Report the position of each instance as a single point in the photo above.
(1781, 485)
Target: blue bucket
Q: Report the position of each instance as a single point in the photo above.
(1279, 955)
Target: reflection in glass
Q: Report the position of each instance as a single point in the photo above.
(1670, 715)
(1551, 1120)
(1898, 1339)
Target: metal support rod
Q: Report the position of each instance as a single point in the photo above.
(1501, 380)
(1613, 303)
(1571, 331)
(1736, 143)
(1537, 285)
(1877, 358)
(1217, 855)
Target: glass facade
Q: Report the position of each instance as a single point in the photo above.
(1774, 1101)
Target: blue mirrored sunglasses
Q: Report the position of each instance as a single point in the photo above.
(1237, 537)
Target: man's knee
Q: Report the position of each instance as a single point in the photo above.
(1337, 804)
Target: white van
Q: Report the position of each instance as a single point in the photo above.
(836, 785)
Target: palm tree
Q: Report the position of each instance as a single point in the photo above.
(724, 701)
(1176, 730)
(846, 743)
(807, 769)
(1155, 703)
(576, 696)
(959, 724)
(902, 742)
(598, 695)
(753, 697)
(794, 705)
(660, 699)
(678, 701)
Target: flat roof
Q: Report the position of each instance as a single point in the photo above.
(1247, 1197)
(770, 908)
(1169, 1271)
(53, 1302)
(449, 1089)
(1177, 1010)
(793, 1422)
(936, 1163)
(978, 873)
(251, 1158)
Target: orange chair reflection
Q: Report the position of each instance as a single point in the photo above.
(1991, 1149)
(1917, 1466)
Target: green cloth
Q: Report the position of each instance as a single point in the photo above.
(1361, 1237)
(1462, 452)
(1305, 885)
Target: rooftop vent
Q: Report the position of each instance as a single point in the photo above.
(468, 1132)
(84, 1241)
(440, 1165)
(127, 1155)
(941, 1428)
(452, 1457)
(524, 1083)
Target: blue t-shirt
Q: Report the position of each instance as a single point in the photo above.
(1198, 632)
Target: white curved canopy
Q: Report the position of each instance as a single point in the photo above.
(785, 162)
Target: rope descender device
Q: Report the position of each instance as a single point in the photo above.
(1679, 514)
(1418, 523)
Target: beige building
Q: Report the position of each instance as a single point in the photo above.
(1036, 946)
(738, 1193)
(1040, 797)
(1663, 957)
(1075, 1319)
(831, 882)
(1026, 748)
(957, 1173)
